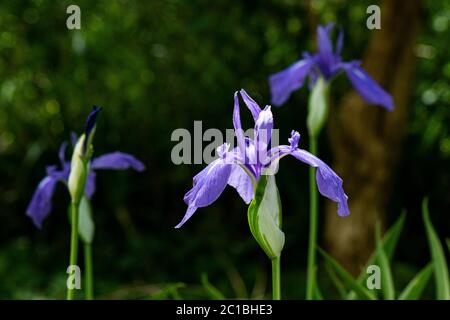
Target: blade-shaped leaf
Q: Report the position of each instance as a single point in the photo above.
(336, 281)
(437, 255)
(212, 291)
(390, 240)
(387, 283)
(416, 286)
(317, 294)
(448, 244)
(346, 277)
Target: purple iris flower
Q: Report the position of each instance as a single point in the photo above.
(241, 167)
(41, 203)
(326, 63)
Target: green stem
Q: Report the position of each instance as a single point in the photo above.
(73, 244)
(89, 276)
(276, 291)
(313, 217)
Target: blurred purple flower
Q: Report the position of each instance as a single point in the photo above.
(326, 63)
(242, 166)
(41, 203)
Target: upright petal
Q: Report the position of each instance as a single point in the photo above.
(117, 161)
(91, 120)
(89, 126)
(263, 134)
(283, 83)
(325, 48)
(369, 90)
(251, 104)
(242, 182)
(208, 186)
(238, 125)
(41, 203)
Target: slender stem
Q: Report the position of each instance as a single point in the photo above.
(276, 291)
(313, 218)
(89, 276)
(73, 244)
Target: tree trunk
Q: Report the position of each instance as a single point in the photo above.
(366, 140)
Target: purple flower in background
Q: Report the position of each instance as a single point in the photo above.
(241, 167)
(326, 63)
(41, 203)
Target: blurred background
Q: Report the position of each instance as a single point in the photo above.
(155, 66)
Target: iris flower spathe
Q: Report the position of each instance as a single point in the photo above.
(327, 63)
(242, 167)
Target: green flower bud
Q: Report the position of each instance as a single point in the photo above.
(78, 171)
(317, 107)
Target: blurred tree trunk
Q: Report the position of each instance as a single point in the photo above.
(367, 140)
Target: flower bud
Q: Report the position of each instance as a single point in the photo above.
(317, 107)
(78, 171)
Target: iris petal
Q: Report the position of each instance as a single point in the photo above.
(208, 186)
(117, 161)
(41, 203)
(283, 83)
(368, 88)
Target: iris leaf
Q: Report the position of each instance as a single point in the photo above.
(437, 256)
(415, 287)
(347, 278)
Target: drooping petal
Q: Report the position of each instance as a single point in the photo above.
(328, 182)
(368, 88)
(117, 161)
(251, 104)
(208, 186)
(283, 83)
(41, 203)
(90, 184)
(242, 182)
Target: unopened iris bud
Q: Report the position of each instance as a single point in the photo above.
(317, 107)
(78, 171)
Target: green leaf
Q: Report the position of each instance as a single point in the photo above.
(317, 294)
(264, 217)
(346, 277)
(390, 240)
(170, 290)
(86, 226)
(336, 281)
(448, 244)
(212, 291)
(317, 107)
(416, 286)
(437, 255)
(387, 283)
